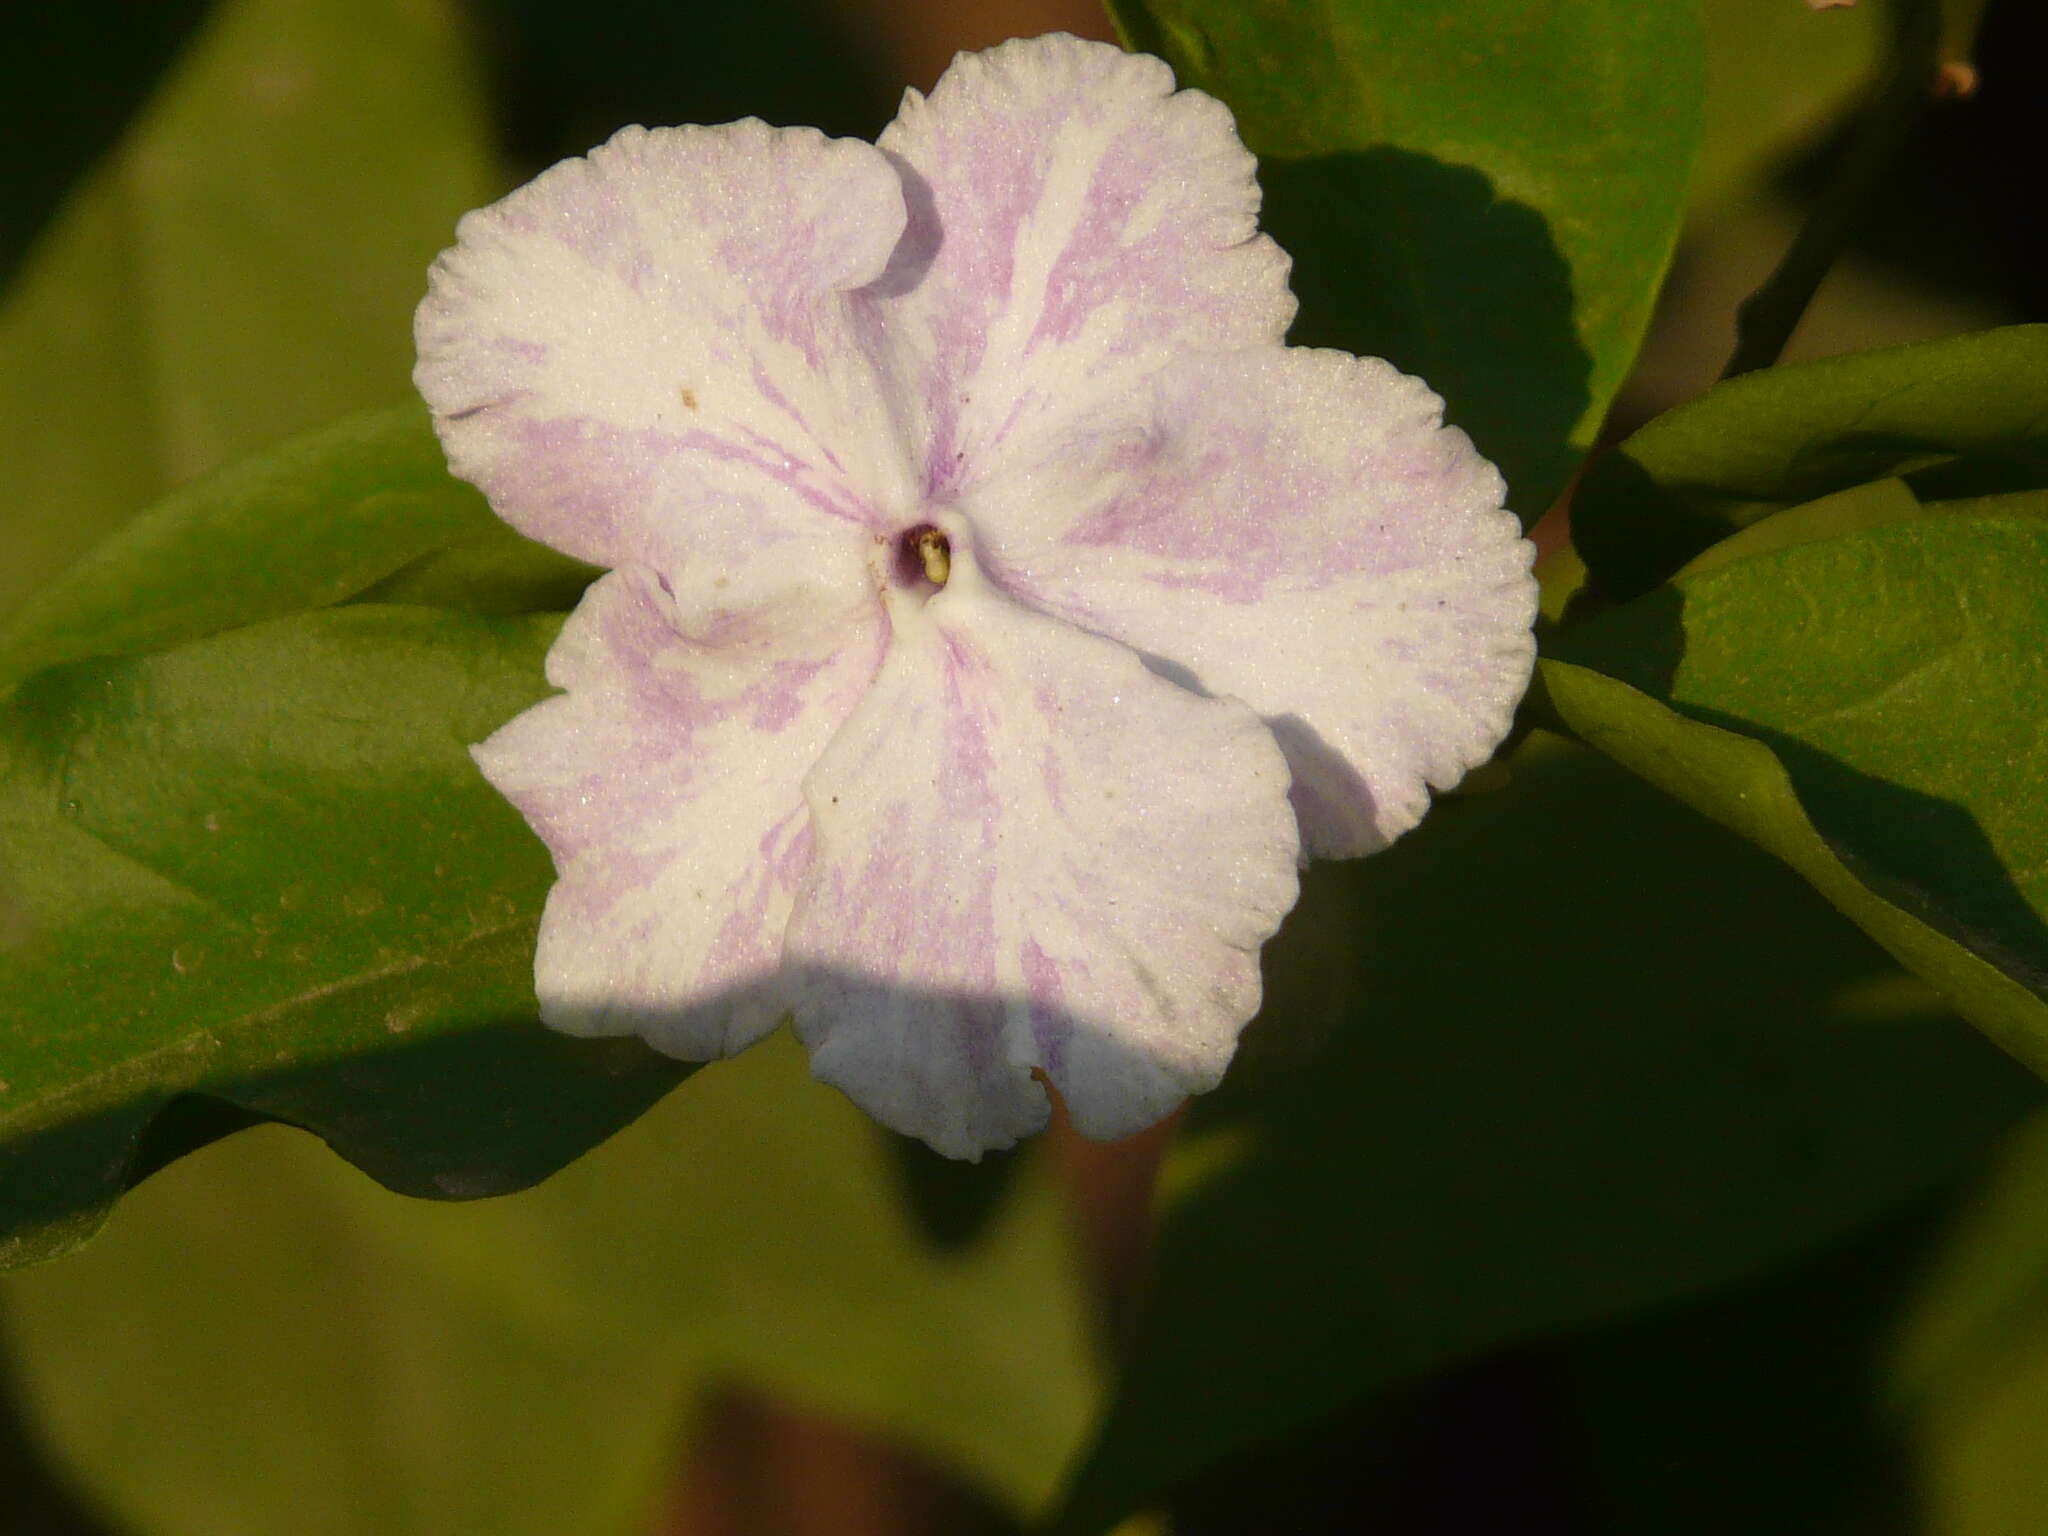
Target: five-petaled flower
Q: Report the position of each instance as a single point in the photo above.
(998, 609)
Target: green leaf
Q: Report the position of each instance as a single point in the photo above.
(1485, 195)
(1771, 1398)
(1830, 517)
(1563, 1054)
(262, 868)
(1896, 1386)
(364, 508)
(71, 78)
(243, 266)
(1777, 75)
(1873, 709)
(1963, 415)
(259, 1322)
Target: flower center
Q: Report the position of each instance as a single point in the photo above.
(925, 551)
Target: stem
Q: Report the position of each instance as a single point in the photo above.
(1538, 712)
(1766, 319)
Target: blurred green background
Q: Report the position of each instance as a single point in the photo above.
(1805, 1287)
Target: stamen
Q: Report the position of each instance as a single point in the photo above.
(934, 552)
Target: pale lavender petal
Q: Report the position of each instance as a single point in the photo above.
(1031, 852)
(1074, 223)
(1295, 529)
(649, 353)
(1032, 816)
(666, 782)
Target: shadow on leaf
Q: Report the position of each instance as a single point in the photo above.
(479, 1109)
(1925, 854)
(1399, 255)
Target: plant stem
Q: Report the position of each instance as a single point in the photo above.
(1766, 319)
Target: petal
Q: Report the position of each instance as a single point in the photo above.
(1031, 852)
(1295, 529)
(648, 352)
(667, 784)
(1074, 222)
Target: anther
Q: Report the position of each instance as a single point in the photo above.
(934, 553)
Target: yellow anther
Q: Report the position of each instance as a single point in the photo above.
(936, 554)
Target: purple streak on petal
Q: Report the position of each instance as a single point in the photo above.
(533, 354)
(666, 782)
(783, 700)
(998, 820)
(1050, 1026)
(775, 397)
(1095, 222)
(683, 292)
(715, 494)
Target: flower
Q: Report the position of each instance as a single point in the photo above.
(997, 609)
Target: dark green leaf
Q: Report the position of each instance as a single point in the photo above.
(1565, 1053)
(71, 77)
(1485, 195)
(362, 508)
(953, 1201)
(1772, 1398)
(262, 868)
(1872, 708)
(1964, 415)
(491, 571)
(1895, 1386)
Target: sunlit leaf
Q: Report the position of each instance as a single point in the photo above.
(262, 868)
(363, 509)
(1962, 416)
(1873, 708)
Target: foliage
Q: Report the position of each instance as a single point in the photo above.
(1651, 1052)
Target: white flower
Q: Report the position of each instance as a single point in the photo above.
(998, 609)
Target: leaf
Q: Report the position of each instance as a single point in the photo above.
(1963, 415)
(1895, 1385)
(245, 264)
(1564, 1054)
(364, 508)
(1776, 76)
(262, 868)
(1873, 709)
(1687, 1424)
(529, 1364)
(1844, 512)
(1485, 195)
(71, 78)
